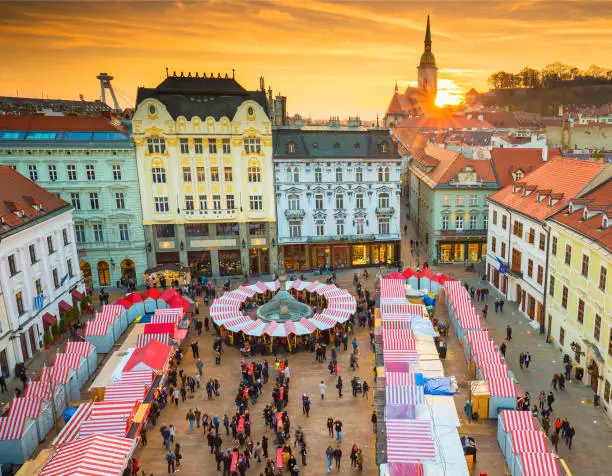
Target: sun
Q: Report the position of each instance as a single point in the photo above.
(449, 93)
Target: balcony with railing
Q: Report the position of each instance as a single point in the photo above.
(385, 211)
(297, 213)
(464, 232)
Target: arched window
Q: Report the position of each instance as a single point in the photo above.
(383, 200)
(289, 175)
(291, 148)
(386, 174)
(128, 270)
(294, 202)
(380, 174)
(103, 273)
(86, 273)
(296, 175)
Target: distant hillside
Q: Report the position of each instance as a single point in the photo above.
(546, 101)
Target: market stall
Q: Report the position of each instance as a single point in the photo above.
(99, 332)
(96, 454)
(150, 297)
(87, 351)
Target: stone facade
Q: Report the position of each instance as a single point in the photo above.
(206, 176)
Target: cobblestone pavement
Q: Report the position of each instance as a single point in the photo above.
(306, 374)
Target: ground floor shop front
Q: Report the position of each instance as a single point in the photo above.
(101, 268)
(302, 257)
(460, 251)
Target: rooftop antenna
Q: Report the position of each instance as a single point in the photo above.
(105, 83)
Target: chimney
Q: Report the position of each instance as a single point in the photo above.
(354, 122)
(334, 121)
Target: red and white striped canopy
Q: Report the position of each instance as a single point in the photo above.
(167, 316)
(70, 431)
(405, 309)
(115, 426)
(95, 455)
(112, 409)
(400, 356)
(410, 441)
(469, 321)
(517, 420)
(393, 288)
(336, 314)
(389, 325)
(144, 339)
(126, 392)
(55, 374)
(234, 296)
(539, 464)
(399, 378)
(337, 293)
(528, 441)
(308, 324)
(502, 387)
(321, 291)
(345, 308)
(399, 339)
(477, 335)
(99, 326)
(111, 311)
(136, 376)
(313, 286)
(262, 286)
(11, 427)
(250, 292)
(30, 407)
(483, 359)
(494, 371)
(327, 321)
(82, 348)
(404, 395)
(38, 389)
(72, 361)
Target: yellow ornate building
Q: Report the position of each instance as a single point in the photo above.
(204, 155)
(579, 299)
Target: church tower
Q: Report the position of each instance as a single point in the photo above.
(428, 71)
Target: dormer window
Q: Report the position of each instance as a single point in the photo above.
(383, 147)
(605, 222)
(585, 215)
(336, 145)
(291, 148)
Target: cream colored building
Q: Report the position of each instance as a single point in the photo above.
(579, 305)
(204, 155)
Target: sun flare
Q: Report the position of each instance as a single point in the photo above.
(449, 93)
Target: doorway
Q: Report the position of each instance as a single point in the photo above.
(549, 324)
(86, 273)
(594, 371)
(24, 347)
(103, 273)
(128, 270)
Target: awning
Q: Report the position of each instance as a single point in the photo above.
(49, 319)
(64, 306)
(76, 296)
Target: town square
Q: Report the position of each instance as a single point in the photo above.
(305, 238)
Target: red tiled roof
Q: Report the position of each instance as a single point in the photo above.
(442, 122)
(18, 195)
(412, 102)
(599, 199)
(506, 161)
(448, 163)
(514, 119)
(56, 123)
(565, 177)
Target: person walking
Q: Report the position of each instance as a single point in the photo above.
(338, 428)
(374, 420)
(170, 459)
(502, 349)
(554, 439)
(339, 387)
(303, 452)
(550, 400)
(545, 424)
(175, 395)
(191, 419)
(501, 305)
(365, 388)
(569, 435)
(322, 389)
(329, 455)
(508, 332)
(264, 446)
(338, 457)
(527, 359)
(522, 360)
(330, 426)
(555, 380)
(199, 366)
(485, 309)
(195, 350)
(542, 399)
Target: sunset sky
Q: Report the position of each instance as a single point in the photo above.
(329, 58)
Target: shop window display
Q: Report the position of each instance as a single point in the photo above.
(229, 262)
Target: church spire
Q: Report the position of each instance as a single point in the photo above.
(428, 36)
